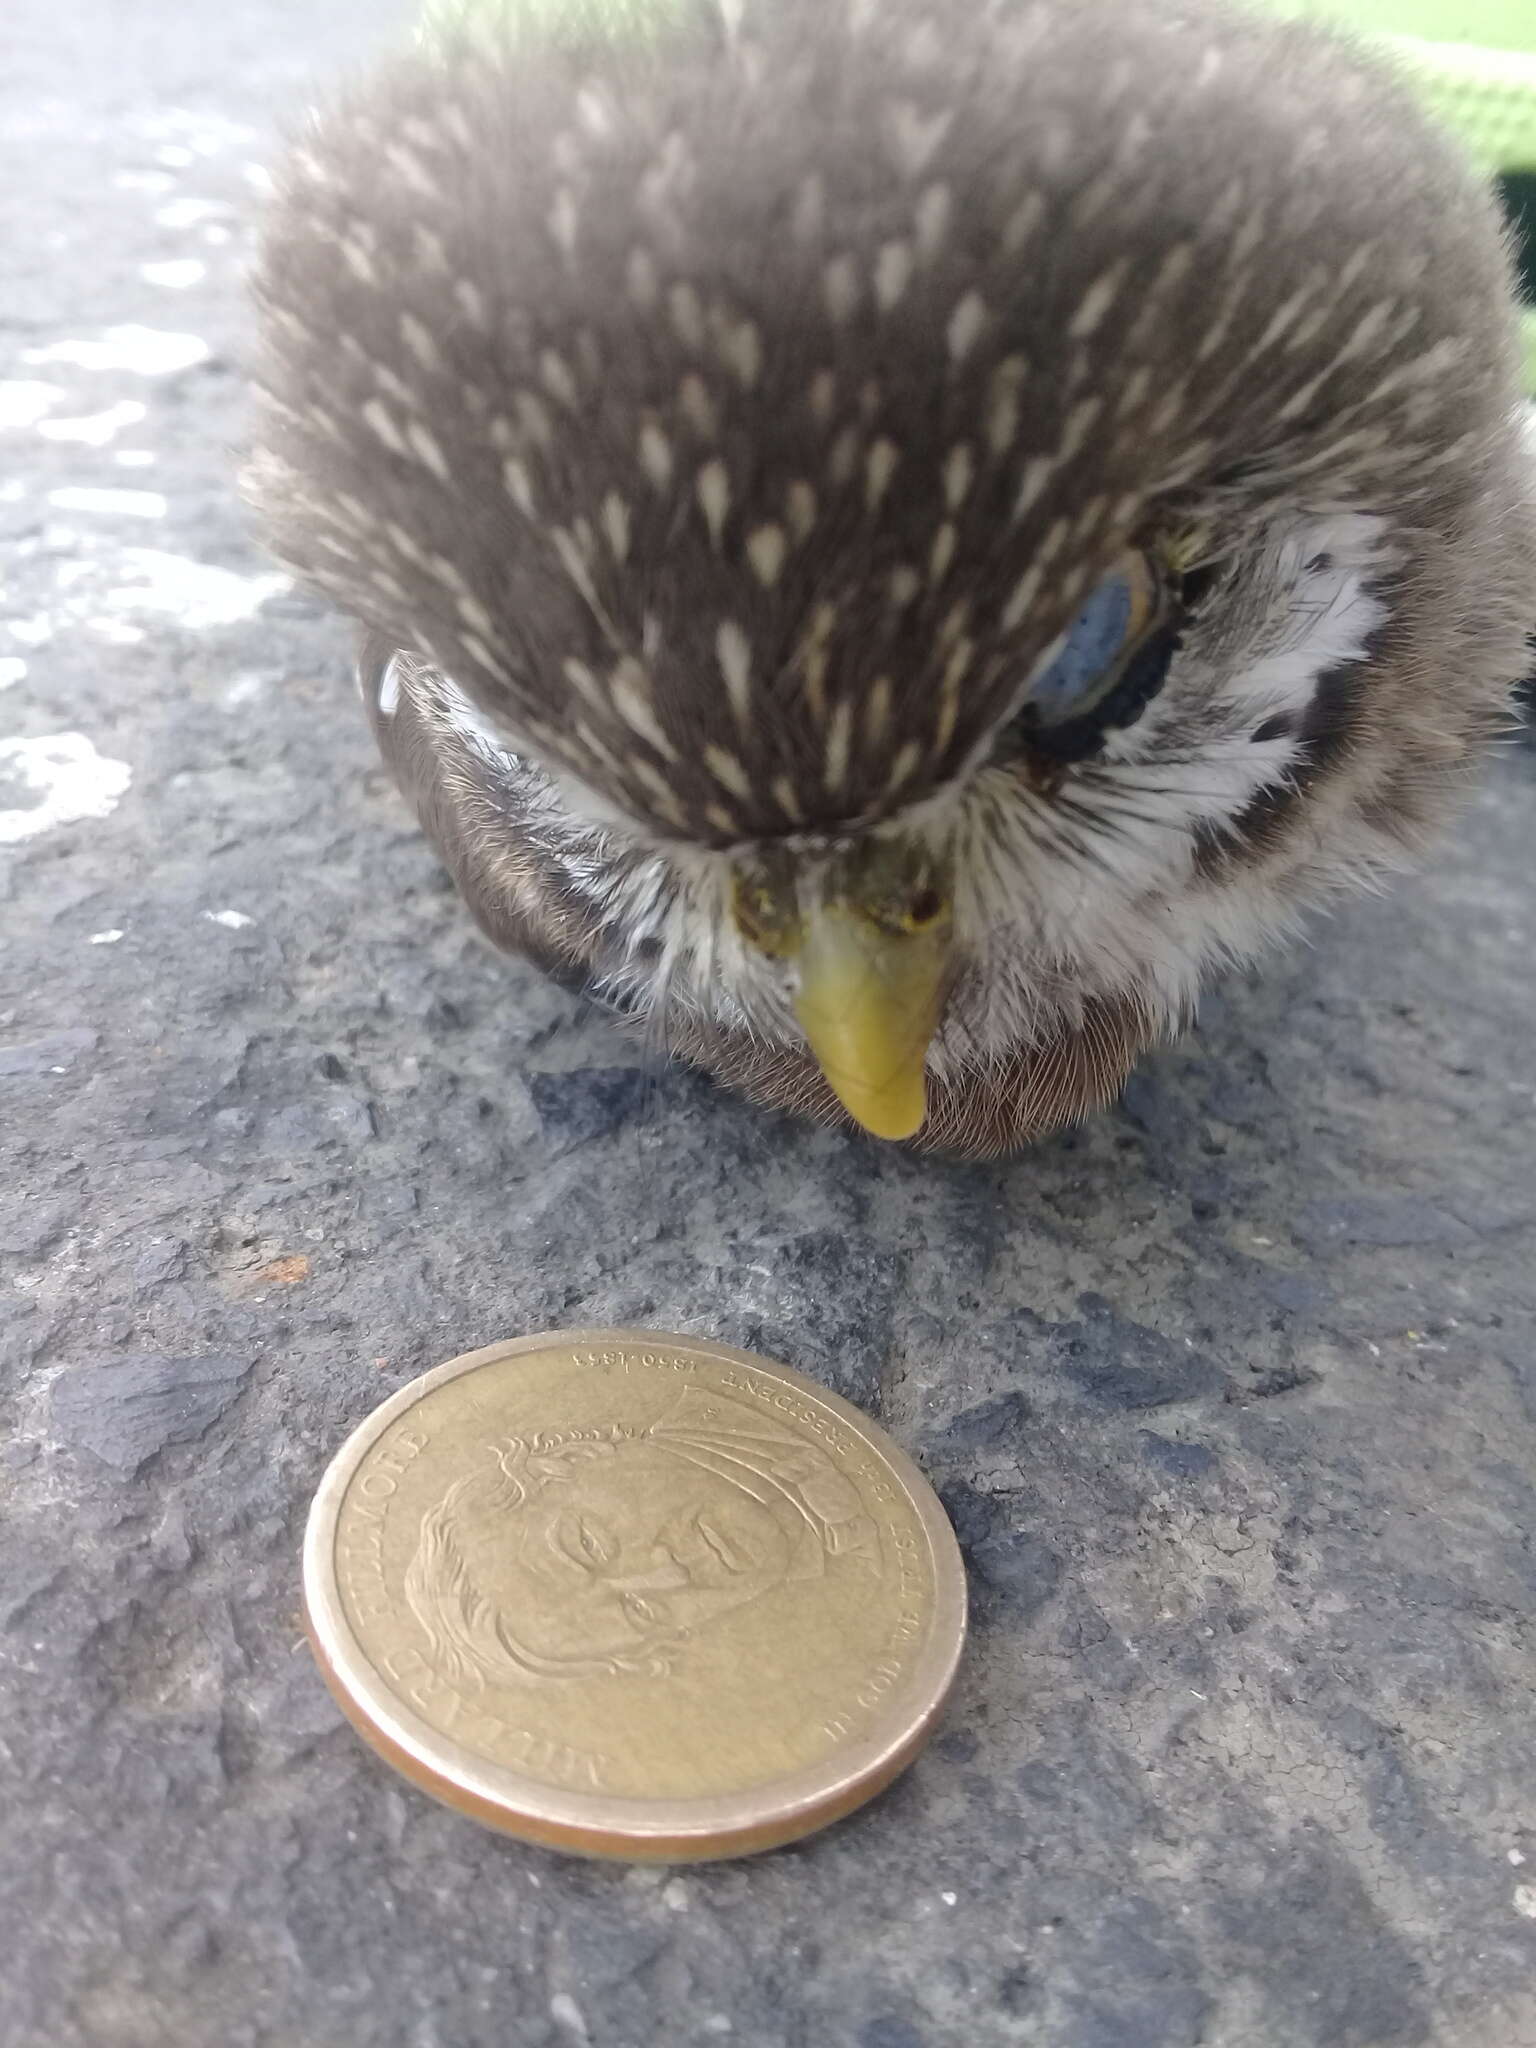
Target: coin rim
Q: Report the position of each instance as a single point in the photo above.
(602, 1824)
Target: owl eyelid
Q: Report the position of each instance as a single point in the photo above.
(1147, 601)
(1119, 694)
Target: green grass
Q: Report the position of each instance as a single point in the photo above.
(1496, 24)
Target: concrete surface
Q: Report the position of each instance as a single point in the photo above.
(1232, 1395)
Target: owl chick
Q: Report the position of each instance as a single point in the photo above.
(894, 540)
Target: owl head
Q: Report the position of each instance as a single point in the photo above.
(943, 526)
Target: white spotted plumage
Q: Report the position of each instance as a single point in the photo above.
(743, 464)
(1023, 896)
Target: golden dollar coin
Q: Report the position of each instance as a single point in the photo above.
(634, 1595)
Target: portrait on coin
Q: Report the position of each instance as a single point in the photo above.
(605, 1551)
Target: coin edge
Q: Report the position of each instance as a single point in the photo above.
(661, 1828)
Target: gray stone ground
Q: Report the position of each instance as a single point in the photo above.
(1232, 1394)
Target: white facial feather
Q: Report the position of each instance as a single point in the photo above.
(1085, 891)
(389, 688)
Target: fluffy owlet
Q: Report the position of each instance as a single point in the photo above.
(894, 539)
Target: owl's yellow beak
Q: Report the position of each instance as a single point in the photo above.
(869, 1004)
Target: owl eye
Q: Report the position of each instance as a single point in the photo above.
(1108, 665)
